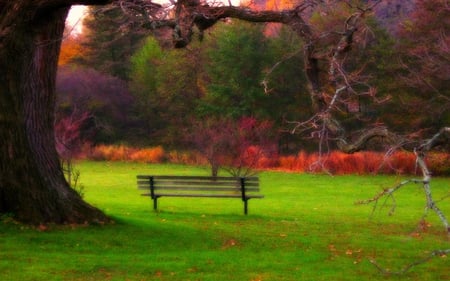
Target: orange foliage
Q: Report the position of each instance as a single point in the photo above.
(70, 48)
(110, 153)
(271, 29)
(274, 5)
(124, 153)
(148, 155)
(278, 5)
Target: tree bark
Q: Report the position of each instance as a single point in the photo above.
(32, 185)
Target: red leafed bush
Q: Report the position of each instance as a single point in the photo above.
(367, 162)
(71, 133)
(401, 162)
(288, 163)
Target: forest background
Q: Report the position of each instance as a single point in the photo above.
(129, 96)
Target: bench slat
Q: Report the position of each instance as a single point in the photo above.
(204, 195)
(186, 183)
(203, 188)
(196, 188)
(200, 188)
(196, 178)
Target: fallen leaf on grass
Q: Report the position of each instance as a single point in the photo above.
(229, 243)
(192, 269)
(42, 227)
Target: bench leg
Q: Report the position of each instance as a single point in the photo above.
(155, 203)
(245, 207)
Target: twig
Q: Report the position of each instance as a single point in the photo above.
(435, 253)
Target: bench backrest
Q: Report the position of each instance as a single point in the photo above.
(199, 186)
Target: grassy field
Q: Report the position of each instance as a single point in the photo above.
(306, 228)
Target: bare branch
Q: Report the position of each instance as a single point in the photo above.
(388, 192)
(265, 82)
(433, 254)
(365, 137)
(440, 138)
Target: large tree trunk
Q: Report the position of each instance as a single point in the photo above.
(32, 184)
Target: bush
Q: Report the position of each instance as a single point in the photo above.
(125, 153)
(109, 153)
(148, 155)
(439, 163)
(367, 162)
(335, 162)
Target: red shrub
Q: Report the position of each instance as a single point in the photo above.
(402, 162)
(288, 163)
(148, 155)
(336, 162)
(367, 162)
(372, 161)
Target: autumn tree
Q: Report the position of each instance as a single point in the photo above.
(235, 146)
(70, 49)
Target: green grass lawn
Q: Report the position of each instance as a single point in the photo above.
(306, 228)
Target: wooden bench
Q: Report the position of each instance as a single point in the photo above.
(244, 188)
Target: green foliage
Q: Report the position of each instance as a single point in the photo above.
(223, 75)
(109, 42)
(306, 228)
(165, 86)
(144, 86)
(144, 72)
(150, 54)
(288, 97)
(220, 77)
(236, 55)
